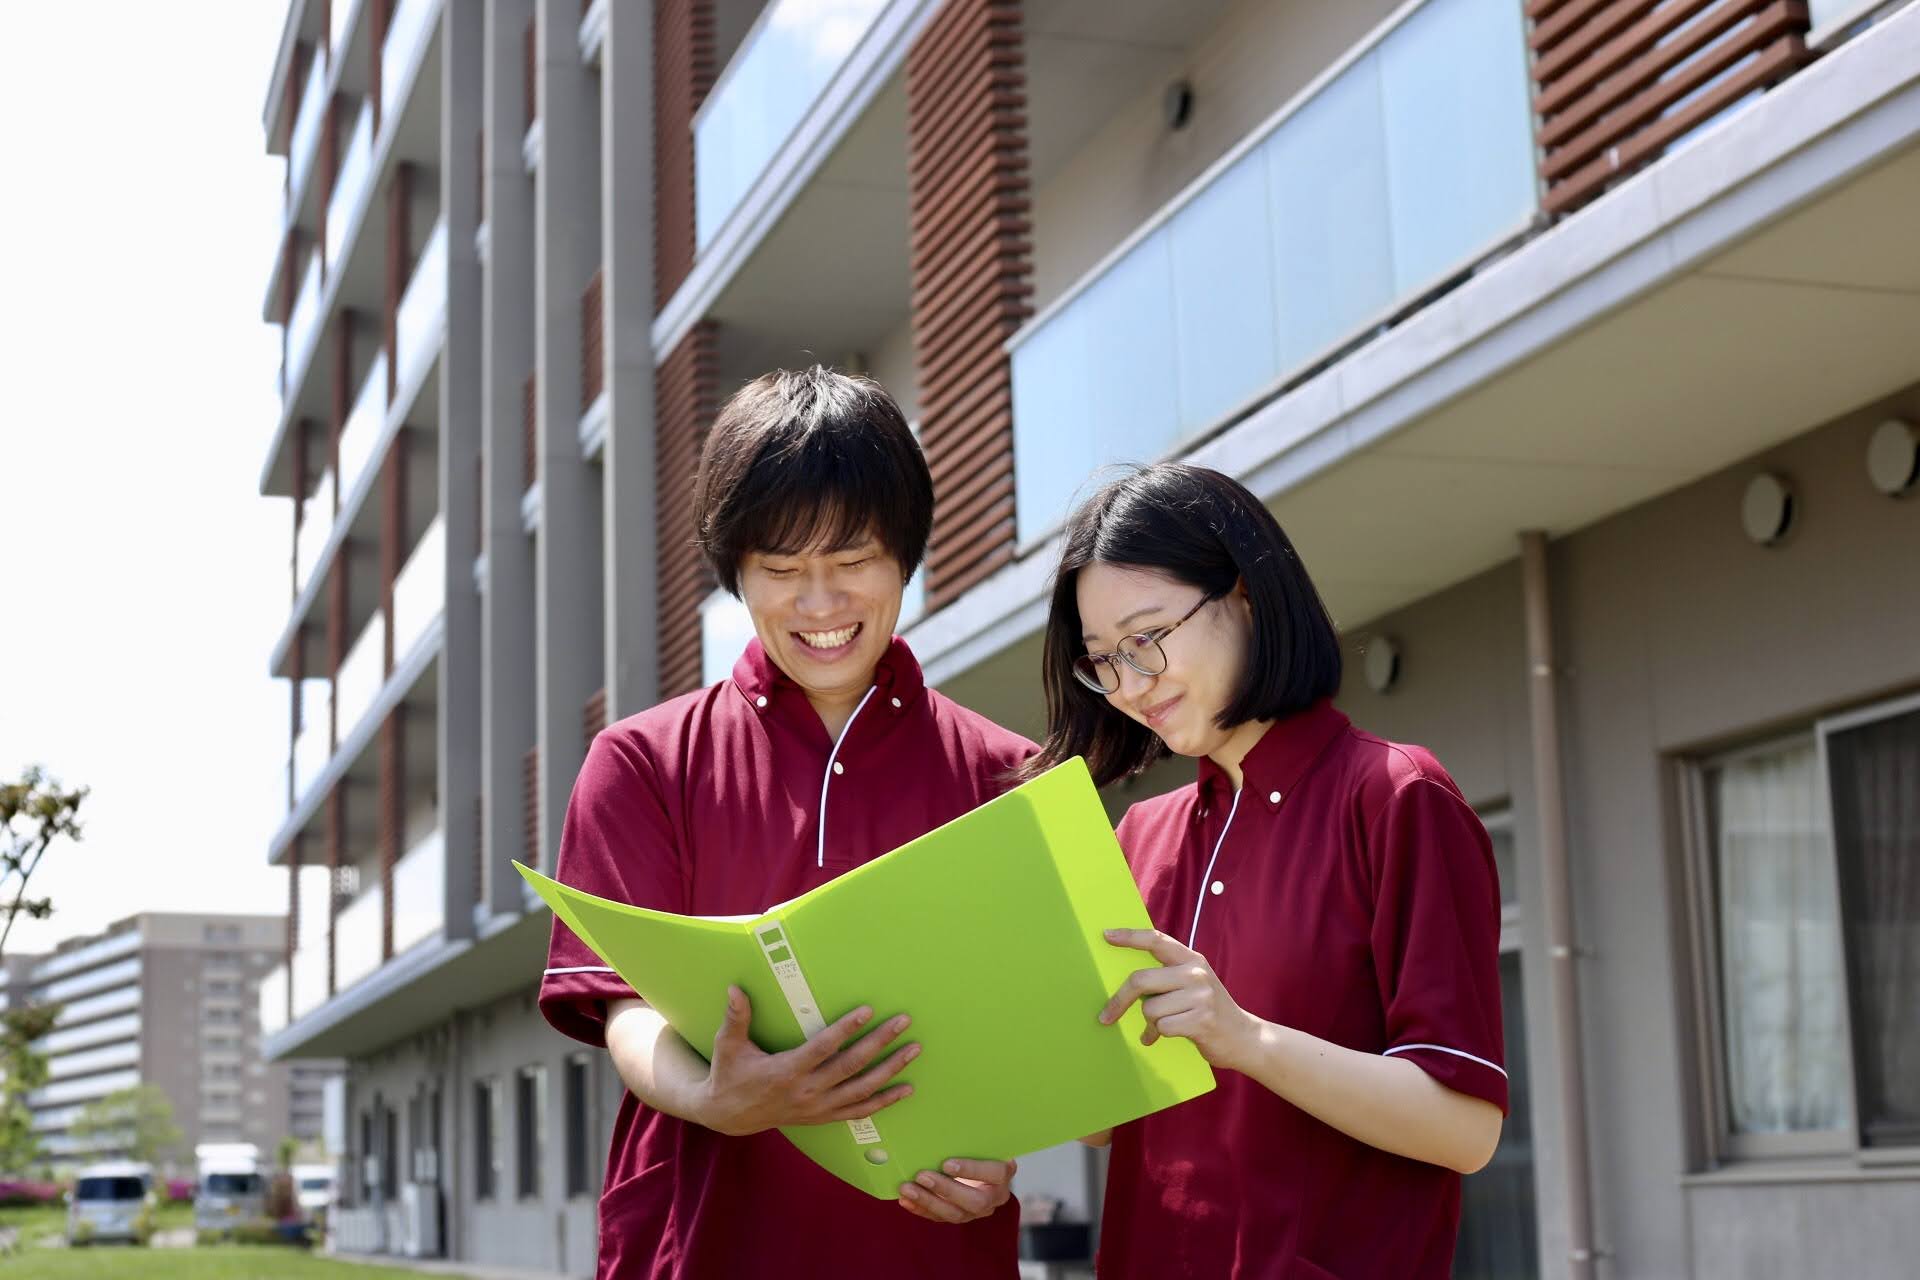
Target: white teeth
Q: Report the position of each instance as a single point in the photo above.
(828, 639)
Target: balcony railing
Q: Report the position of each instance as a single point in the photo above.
(780, 71)
(340, 15)
(305, 138)
(360, 434)
(419, 892)
(420, 590)
(356, 937)
(303, 325)
(316, 526)
(408, 27)
(1402, 168)
(361, 674)
(312, 748)
(309, 975)
(350, 184)
(274, 989)
(423, 308)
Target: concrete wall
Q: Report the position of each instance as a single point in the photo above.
(1678, 636)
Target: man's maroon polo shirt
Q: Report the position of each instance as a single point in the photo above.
(711, 804)
(1347, 891)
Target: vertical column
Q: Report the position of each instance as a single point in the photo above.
(294, 858)
(340, 401)
(379, 13)
(967, 180)
(392, 822)
(683, 71)
(336, 860)
(399, 257)
(570, 662)
(461, 477)
(507, 346)
(626, 466)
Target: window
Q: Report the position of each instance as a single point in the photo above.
(390, 1151)
(1808, 936)
(486, 1158)
(576, 1100)
(530, 1128)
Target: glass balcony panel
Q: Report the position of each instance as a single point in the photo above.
(309, 972)
(1332, 248)
(304, 140)
(356, 938)
(779, 72)
(361, 674)
(350, 185)
(340, 13)
(124, 1027)
(107, 948)
(119, 974)
(80, 1062)
(423, 307)
(313, 747)
(407, 30)
(303, 325)
(420, 590)
(419, 892)
(360, 433)
(273, 999)
(1223, 309)
(1453, 82)
(316, 526)
(1397, 172)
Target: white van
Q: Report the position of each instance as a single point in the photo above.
(109, 1201)
(232, 1189)
(313, 1186)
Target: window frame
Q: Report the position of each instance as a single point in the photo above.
(530, 1131)
(577, 1073)
(1723, 1147)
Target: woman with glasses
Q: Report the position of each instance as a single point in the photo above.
(1326, 906)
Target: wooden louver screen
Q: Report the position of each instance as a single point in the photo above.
(1616, 83)
(593, 350)
(530, 430)
(969, 250)
(530, 804)
(530, 73)
(593, 716)
(685, 392)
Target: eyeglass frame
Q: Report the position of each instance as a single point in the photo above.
(1152, 635)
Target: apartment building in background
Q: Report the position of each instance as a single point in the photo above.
(172, 1000)
(1572, 344)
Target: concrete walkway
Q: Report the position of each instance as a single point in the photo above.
(442, 1267)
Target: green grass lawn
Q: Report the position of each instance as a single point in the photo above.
(217, 1262)
(34, 1221)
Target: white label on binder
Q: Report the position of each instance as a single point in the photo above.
(806, 1011)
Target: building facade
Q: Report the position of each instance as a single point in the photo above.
(1572, 344)
(171, 1000)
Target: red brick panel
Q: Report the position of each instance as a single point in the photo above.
(970, 256)
(399, 260)
(393, 532)
(1616, 82)
(593, 340)
(530, 802)
(530, 430)
(686, 391)
(683, 72)
(379, 15)
(593, 716)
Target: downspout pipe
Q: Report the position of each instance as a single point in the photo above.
(1564, 989)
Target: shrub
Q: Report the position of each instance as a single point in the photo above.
(22, 1191)
(179, 1189)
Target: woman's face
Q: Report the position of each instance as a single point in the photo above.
(1205, 656)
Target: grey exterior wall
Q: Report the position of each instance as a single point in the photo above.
(1677, 636)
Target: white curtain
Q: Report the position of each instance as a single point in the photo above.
(1780, 957)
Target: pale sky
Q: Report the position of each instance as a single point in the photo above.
(145, 578)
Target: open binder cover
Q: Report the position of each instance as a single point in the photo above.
(988, 930)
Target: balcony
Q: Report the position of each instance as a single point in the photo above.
(419, 892)
(303, 327)
(350, 184)
(361, 674)
(274, 990)
(420, 590)
(783, 66)
(421, 318)
(1381, 183)
(408, 28)
(316, 526)
(356, 937)
(314, 744)
(340, 19)
(366, 422)
(303, 142)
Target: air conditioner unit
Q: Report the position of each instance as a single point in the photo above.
(420, 1217)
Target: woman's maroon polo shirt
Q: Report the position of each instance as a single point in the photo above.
(1347, 891)
(711, 804)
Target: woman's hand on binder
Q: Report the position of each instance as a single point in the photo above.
(962, 1191)
(1184, 997)
(826, 1079)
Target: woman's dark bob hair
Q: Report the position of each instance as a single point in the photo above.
(805, 459)
(1201, 528)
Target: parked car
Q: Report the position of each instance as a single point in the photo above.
(232, 1189)
(110, 1202)
(313, 1184)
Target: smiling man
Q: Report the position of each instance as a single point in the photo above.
(822, 751)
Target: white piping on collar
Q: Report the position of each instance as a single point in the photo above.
(1201, 899)
(820, 853)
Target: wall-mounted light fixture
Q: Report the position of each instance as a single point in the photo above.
(1766, 512)
(1176, 106)
(1893, 457)
(1382, 663)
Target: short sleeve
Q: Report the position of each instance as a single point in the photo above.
(1436, 938)
(617, 842)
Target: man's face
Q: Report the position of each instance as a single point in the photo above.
(825, 617)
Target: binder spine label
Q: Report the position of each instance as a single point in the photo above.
(778, 949)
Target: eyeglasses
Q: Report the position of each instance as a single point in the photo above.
(1100, 672)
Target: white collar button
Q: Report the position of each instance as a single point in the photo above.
(1218, 888)
(1273, 797)
(838, 767)
(760, 701)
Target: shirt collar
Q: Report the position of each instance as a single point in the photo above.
(897, 676)
(1283, 755)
